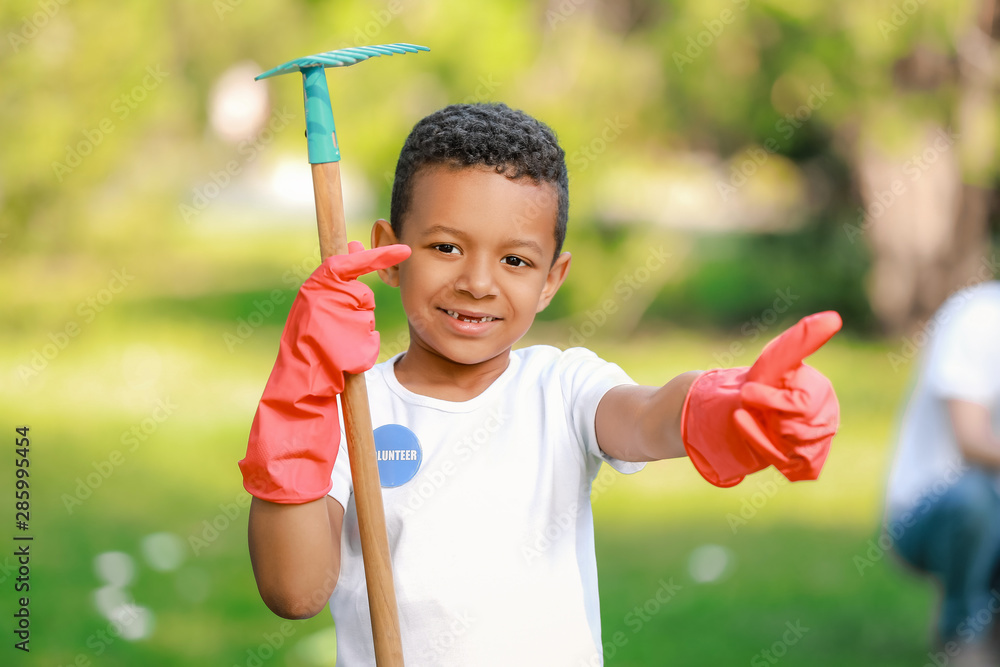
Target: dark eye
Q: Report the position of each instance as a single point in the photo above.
(514, 260)
(446, 248)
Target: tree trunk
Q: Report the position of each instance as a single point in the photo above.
(927, 208)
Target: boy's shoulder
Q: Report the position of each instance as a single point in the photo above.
(572, 368)
(549, 355)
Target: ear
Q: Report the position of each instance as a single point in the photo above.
(557, 274)
(382, 235)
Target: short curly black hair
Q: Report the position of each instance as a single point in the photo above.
(484, 134)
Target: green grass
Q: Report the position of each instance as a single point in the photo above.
(776, 575)
(791, 559)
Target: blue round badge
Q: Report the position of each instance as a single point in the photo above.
(398, 453)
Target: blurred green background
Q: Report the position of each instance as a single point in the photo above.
(734, 165)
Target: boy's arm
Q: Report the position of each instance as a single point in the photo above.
(295, 528)
(295, 553)
(637, 423)
(734, 421)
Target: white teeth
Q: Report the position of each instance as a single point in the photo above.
(480, 320)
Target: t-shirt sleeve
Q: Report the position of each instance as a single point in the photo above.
(585, 379)
(964, 361)
(343, 487)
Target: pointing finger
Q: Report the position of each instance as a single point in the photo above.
(361, 262)
(786, 352)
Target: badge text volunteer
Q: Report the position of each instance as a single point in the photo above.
(397, 455)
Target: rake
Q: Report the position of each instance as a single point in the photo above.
(324, 156)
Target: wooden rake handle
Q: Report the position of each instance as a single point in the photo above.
(361, 444)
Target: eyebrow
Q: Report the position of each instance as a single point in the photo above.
(441, 229)
(517, 243)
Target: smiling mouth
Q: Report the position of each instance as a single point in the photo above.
(468, 318)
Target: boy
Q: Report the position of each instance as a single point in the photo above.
(509, 441)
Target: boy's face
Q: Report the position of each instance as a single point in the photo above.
(481, 266)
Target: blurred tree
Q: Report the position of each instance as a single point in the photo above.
(927, 206)
(886, 111)
(812, 113)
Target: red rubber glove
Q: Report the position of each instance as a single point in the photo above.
(330, 331)
(778, 412)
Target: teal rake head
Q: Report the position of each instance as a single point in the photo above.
(321, 134)
(340, 58)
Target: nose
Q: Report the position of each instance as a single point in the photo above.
(476, 278)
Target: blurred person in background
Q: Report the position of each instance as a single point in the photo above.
(943, 502)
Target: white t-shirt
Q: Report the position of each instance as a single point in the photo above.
(492, 541)
(961, 361)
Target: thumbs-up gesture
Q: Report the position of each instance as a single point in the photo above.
(778, 412)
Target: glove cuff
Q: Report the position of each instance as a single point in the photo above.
(291, 461)
(710, 435)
